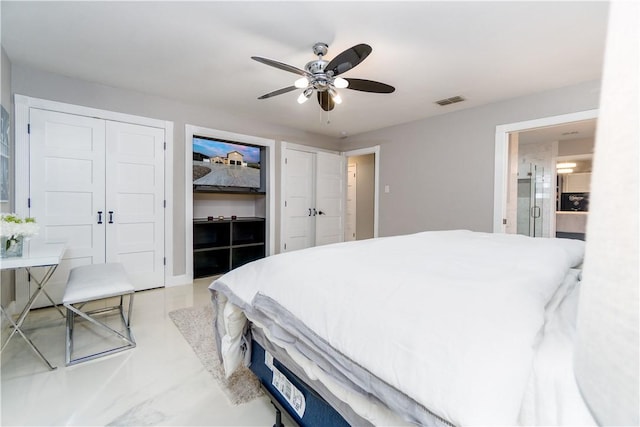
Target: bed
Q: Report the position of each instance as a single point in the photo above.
(434, 328)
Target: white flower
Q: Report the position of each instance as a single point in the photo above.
(12, 226)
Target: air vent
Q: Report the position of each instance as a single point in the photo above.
(451, 100)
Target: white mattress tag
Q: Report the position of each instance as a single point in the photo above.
(288, 391)
(268, 360)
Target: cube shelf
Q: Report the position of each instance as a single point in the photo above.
(220, 245)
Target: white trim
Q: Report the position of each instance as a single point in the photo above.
(376, 195)
(501, 171)
(180, 280)
(168, 197)
(307, 148)
(80, 110)
(191, 130)
(284, 146)
(22, 106)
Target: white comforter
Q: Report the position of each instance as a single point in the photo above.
(450, 318)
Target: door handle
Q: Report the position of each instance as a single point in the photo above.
(315, 212)
(110, 217)
(99, 217)
(321, 213)
(535, 212)
(309, 211)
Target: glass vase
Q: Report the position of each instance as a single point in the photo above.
(10, 247)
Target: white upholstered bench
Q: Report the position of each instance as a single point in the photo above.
(95, 282)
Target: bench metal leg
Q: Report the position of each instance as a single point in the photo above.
(127, 337)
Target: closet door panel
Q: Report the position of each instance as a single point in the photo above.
(67, 190)
(135, 200)
(299, 199)
(329, 198)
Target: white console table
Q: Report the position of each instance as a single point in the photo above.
(35, 254)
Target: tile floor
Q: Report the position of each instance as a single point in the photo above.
(161, 382)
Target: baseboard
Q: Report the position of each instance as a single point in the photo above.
(183, 279)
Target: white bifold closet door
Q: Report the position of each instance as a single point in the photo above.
(99, 186)
(135, 194)
(299, 230)
(313, 199)
(330, 198)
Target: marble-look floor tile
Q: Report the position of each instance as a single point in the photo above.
(159, 383)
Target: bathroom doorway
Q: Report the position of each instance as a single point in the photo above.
(361, 206)
(506, 164)
(553, 168)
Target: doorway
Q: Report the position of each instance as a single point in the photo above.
(361, 207)
(535, 183)
(313, 185)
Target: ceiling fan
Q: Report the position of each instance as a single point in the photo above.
(321, 76)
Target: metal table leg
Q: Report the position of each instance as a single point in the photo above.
(17, 326)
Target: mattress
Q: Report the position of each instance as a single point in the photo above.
(552, 396)
(441, 327)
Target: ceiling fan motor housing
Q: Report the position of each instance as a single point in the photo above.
(320, 81)
(317, 66)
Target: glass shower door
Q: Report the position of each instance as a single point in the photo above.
(531, 202)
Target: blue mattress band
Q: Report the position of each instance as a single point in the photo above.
(318, 411)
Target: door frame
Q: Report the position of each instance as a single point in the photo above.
(375, 150)
(501, 170)
(268, 144)
(22, 106)
(284, 146)
(353, 203)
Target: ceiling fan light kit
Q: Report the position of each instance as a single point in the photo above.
(321, 76)
(304, 96)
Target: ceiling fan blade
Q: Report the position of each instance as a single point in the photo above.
(282, 66)
(348, 59)
(325, 101)
(277, 92)
(369, 86)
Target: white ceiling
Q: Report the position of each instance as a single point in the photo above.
(584, 129)
(579, 138)
(199, 52)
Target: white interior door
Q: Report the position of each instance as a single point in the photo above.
(350, 207)
(329, 198)
(298, 207)
(67, 190)
(135, 201)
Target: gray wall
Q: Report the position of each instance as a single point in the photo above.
(40, 84)
(440, 170)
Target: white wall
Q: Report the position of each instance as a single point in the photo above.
(41, 84)
(440, 170)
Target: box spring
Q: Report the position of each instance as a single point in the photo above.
(318, 411)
